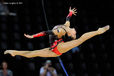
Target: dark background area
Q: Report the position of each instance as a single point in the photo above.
(95, 57)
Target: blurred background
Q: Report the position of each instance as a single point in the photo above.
(93, 58)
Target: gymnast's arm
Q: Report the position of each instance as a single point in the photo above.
(28, 36)
(49, 32)
(71, 12)
(35, 35)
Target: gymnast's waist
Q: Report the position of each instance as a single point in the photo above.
(54, 46)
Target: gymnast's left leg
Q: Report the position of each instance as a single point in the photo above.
(29, 54)
(64, 47)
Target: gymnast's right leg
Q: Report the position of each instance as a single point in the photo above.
(35, 53)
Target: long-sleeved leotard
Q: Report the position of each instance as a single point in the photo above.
(59, 29)
(54, 40)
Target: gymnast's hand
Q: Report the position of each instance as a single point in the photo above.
(73, 11)
(28, 36)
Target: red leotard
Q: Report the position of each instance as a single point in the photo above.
(54, 47)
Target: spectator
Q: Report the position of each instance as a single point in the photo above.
(47, 69)
(4, 71)
(4, 9)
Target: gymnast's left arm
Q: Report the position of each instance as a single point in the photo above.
(71, 12)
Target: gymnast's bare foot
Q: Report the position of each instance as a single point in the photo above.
(11, 52)
(103, 29)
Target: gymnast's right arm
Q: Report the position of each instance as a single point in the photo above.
(49, 32)
(35, 35)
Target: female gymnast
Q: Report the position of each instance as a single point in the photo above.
(58, 46)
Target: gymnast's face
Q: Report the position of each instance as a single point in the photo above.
(72, 33)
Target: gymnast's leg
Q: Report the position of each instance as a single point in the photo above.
(64, 47)
(36, 53)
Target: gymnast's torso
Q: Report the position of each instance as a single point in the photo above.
(60, 31)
